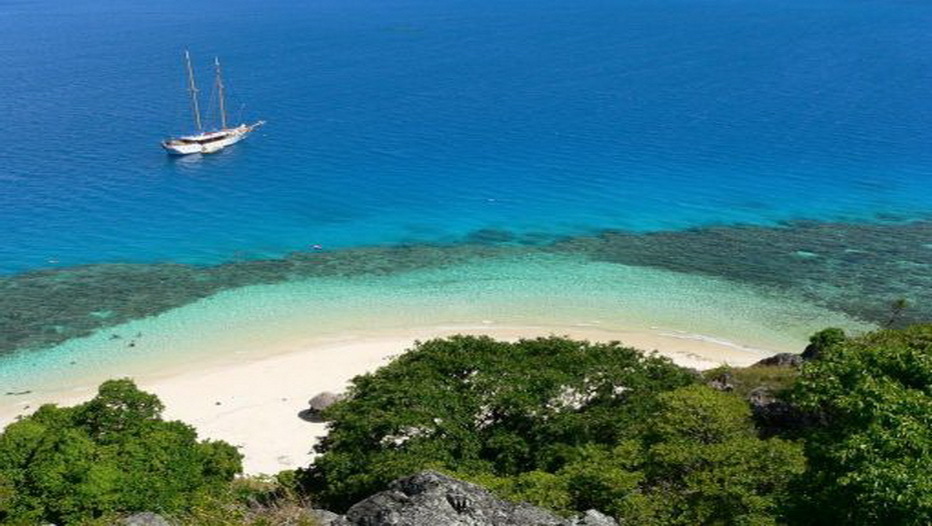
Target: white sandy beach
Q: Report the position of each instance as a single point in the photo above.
(254, 402)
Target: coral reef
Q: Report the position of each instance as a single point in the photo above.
(860, 269)
(863, 270)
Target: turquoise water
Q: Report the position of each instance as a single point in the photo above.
(537, 294)
(443, 133)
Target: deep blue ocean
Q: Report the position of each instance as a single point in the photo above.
(404, 121)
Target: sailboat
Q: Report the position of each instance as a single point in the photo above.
(207, 141)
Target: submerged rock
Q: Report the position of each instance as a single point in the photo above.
(491, 236)
(860, 269)
(433, 499)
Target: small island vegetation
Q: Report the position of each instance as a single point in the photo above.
(115, 455)
(845, 437)
(871, 445)
(558, 423)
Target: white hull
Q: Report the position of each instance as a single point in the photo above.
(210, 142)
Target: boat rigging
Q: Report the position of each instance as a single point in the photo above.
(211, 141)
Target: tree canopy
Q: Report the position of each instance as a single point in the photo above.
(871, 455)
(566, 424)
(111, 454)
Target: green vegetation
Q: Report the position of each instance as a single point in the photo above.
(564, 424)
(744, 380)
(112, 454)
(823, 341)
(476, 405)
(706, 464)
(253, 501)
(871, 458)
(702, 463)
(572, 426)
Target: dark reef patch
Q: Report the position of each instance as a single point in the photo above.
(43, 308)
(491, 236)
(859, 269)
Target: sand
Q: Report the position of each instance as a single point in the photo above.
(254, 402)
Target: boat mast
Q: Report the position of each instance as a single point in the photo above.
(193, 89)
(223, 109)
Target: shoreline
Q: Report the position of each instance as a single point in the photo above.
(253, 401)
(241, 364)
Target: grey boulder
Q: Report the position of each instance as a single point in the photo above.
(433, 499)
(317, 405)
(783, 359)
(146, 518)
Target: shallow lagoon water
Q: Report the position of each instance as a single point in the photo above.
(543, 291)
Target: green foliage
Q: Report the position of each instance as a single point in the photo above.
(699, 415)
(118, 410)
(595, 477)
(871, 459)
(775, 379)
(823, 341)
(604, 478)
(558, 423)
(252, 501)
(699, 463)
(534, 487)
(705, 465)
(476, 405)
(7, 495)
(111, 454)
(561, 424)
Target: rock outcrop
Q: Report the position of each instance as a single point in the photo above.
(775, 416)
(722, 381)
(326, 518)
(323, 400)
(783, 359)
(145, 518)
(433, 499)
(317, 405)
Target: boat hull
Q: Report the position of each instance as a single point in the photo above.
(211, 142)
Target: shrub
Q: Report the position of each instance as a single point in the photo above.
(705, 464)
(110, 455)
(476, 405)
(559, 423)
(871, 456)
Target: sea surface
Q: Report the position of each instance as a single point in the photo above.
(450, 123)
